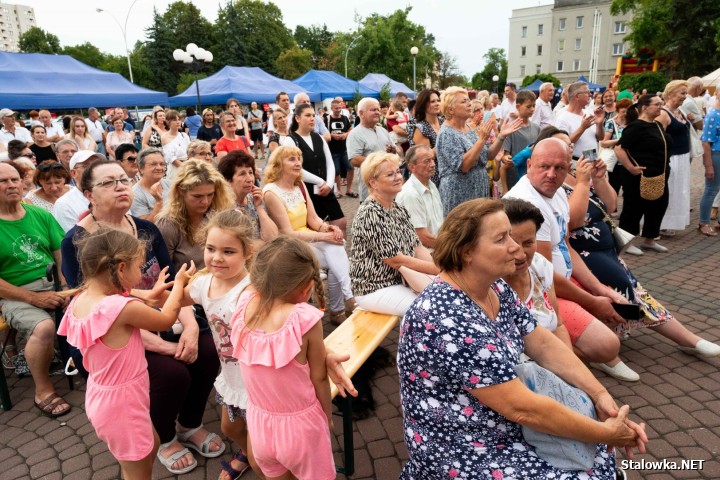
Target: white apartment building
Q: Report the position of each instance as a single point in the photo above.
(14, 21)
(567, 39)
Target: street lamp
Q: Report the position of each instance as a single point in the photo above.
(195, 57)
(123, 29)
(414, 52)
(495, 79)
(347, 50)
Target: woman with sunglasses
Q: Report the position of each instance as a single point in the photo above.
(53, 179)
(41, 149)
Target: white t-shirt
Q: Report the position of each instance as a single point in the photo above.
(69, 207)
(538, 300)
(570, 122)
(53, 130)
(95, 129)
(219, 311)
(506, 108)
(22, 134)
(556, 212)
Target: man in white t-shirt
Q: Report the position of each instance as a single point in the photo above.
(586, 309)
(507, 107)
(543, 115)
(11, 130)
(53, 132)
(283, 103)
(584, 127)
(95, 129)
(73, 203)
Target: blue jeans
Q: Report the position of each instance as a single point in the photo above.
(342, 164)
(711, 190)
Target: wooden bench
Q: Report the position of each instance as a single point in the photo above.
(358, 336)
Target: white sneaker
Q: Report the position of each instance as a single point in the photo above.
(633, 250)
(703, 348)
(619, 371)
(656, 247)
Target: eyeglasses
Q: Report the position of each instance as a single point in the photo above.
(130, 159)
(113, 182)
(51, 166)
(206, 154)
(29, 155)
(393, 174)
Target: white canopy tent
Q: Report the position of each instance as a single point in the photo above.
(712, 80)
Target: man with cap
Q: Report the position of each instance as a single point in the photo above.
(10, 130)
(32, 238)
(69, 207)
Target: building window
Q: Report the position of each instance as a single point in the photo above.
(576, 65)
(539, 50)
(541, 28)
(523, 51)
(579, 22)
(561, 45)
(524, 32)
(618, 49)
(522, 70)
(559, 66)
(620, 27)
(538, 68)
(561, 23)
(578, 43)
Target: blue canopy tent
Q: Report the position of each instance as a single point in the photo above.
(534, 86)
(376, 81)
(246, 84)
(330, 85)
(592, 86)
(37, 80)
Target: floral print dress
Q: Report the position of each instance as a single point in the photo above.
(448, 347)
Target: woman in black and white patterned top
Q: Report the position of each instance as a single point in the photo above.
(384, 239)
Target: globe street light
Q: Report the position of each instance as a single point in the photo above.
(495, 79)
(414, 52)
(195, 57)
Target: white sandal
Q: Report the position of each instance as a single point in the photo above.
(204, 448)
(174, 458)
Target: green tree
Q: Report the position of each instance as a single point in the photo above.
(314, 38)
(385, 93)
(37, 40)
(687, 32)
(293, 62)
(447, 72)
(187, 79)
(652, 81)
(87, 53)
(251, 33)
(495, 64)
(384, 44)
(544, 77)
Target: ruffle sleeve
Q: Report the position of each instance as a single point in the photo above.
(275, 349)
(84, 332)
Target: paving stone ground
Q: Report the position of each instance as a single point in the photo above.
(678, 395)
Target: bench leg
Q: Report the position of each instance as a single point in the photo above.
(349, 444)
(5, 393)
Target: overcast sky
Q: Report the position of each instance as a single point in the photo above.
(464, 28)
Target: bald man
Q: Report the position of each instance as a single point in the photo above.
(54, 133)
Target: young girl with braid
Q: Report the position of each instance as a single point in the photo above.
(104, 322)
(278, 340)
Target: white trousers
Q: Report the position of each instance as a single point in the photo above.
(334, 258)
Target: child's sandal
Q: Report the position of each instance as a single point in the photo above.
(233, 473)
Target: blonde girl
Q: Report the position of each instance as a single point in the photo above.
(104, 322)
(278, 339)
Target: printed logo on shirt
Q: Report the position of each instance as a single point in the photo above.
(25, 250)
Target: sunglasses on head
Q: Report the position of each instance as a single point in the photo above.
(50, 166)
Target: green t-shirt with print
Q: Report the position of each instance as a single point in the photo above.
(28, 245)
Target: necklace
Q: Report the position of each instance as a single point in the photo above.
(462, 285)
(126, 216)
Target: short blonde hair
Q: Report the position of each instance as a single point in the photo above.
(449, 96)
(371, 165)
(672, 87)
(273, 170)
(196, 145)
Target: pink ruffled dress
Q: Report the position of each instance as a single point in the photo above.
(287, 425)
(117, 400)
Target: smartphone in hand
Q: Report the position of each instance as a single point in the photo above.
(590, 154)
(628, 311)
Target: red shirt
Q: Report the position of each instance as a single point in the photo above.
(225, 145)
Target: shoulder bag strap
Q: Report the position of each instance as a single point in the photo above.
(662, 135)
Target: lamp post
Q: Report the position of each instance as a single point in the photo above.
(414, 52)
(495, 79)
(347, 50)
(195, 57)
(123, 29)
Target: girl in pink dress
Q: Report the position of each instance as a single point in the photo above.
(278, 341)
(104, 322)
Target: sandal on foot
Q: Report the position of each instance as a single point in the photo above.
(352, 194)
(204, 448)
(235, 474)
(7, 357)
(50, 403)
(707, 230)
(174, 458)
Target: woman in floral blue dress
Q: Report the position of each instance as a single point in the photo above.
(458, 349)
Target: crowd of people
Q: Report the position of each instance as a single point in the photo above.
(241, 210)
